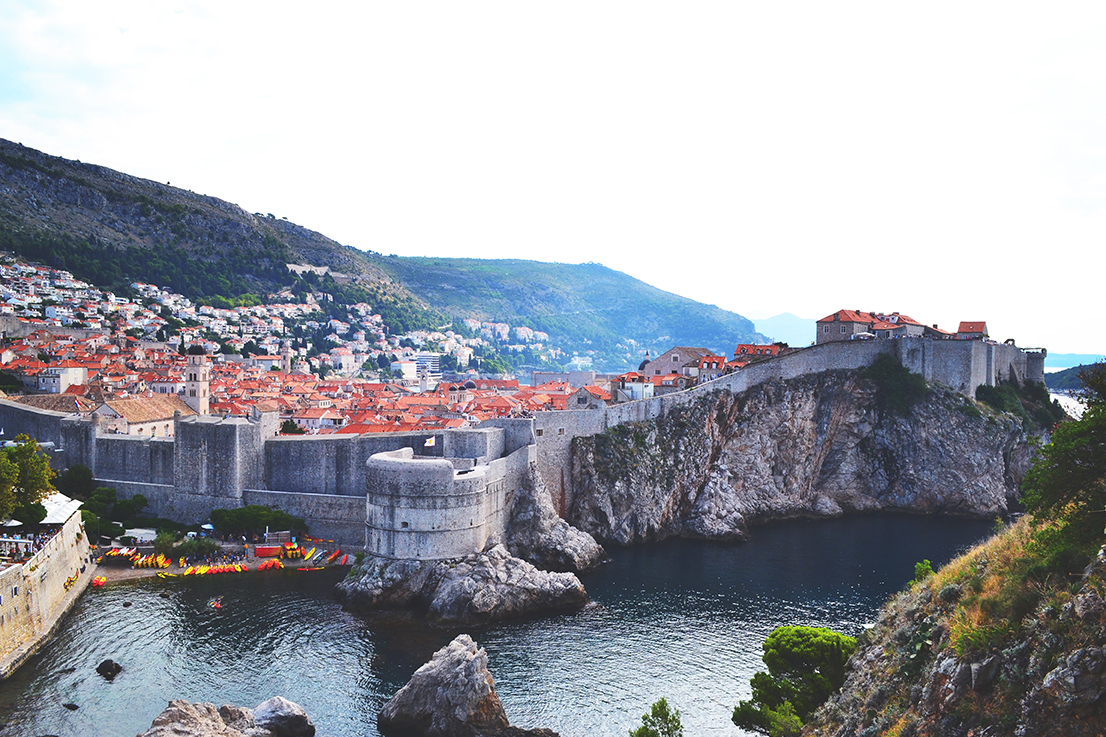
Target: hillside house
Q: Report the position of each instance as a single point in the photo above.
(750, 351)
(589, 397)
(853, 324)
(631, 386)
(972, 331)
(674, 361)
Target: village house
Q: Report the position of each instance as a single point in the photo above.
(152, 416)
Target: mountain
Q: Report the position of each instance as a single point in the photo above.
(797, 332)
(584, 307)
(112, 229)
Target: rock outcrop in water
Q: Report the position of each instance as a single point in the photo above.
(453, 695)
(477, 589)
(538, 534)
(277, 717)
(814, 446)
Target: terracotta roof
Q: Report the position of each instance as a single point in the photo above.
(149, 409)
(972, 327)
(57, 402)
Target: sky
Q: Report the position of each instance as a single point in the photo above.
(946, 160)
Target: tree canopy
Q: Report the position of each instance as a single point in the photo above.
(25, 478)
(805, 665)
(661, 721)
(1067, 484)
(255, 518)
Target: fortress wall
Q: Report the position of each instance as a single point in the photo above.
(553, 434)
(33, 597)
(518, 432)
(42, 425)
(420, 509)
(135, 458)
(329, 516)
(334, 464)
(1010, 362)
(481, 444)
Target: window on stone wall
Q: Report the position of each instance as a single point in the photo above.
(539, 432)
(404, 525)
(842, 329)
(560, 431)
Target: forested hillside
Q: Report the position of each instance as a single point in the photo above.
(111, 229)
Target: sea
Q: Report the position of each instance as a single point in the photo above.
(680, 619)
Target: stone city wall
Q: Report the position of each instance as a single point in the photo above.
(33, 596)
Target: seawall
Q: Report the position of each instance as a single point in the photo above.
(33, 595)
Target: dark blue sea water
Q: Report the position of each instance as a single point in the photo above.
(680, 619)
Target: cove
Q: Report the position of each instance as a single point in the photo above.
(681, 619)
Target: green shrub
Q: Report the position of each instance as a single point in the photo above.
(922, 570)
(197, 547)
(899, 389)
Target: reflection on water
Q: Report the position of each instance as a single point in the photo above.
(681, 619)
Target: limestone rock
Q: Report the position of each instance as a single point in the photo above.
(815, 446)
(277, 717)
(538, 534)
(283, 718)
(477, 589)
(184, 719)
(453, 695)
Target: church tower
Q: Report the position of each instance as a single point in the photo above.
(197, 380)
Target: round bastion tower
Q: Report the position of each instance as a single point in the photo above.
(197, 380)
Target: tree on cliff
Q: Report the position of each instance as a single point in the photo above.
(25, 480)
(805, 665)
(1067, 485)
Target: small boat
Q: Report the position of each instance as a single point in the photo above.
(344, 559)
(308, 554)
(163, 574)
(216, 603)
(311, 568)
(334, 556)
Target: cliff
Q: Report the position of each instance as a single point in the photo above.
(818, 445)
(988, 645)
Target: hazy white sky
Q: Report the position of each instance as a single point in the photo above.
(947, 160)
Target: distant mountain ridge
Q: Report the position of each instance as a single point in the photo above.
(111, 229)
(798, 332)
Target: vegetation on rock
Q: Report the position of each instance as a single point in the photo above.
(1008, 638)
(899, 389)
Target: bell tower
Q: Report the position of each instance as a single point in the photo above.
(197, 380)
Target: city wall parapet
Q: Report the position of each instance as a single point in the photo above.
(217, 462)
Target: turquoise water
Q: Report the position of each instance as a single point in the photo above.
(681, 619)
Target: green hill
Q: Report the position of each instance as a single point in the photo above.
(585, 307)
(112, 229)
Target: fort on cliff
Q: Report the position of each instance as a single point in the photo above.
(431, 495)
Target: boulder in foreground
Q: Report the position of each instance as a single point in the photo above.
(277, 717)
(453, 695)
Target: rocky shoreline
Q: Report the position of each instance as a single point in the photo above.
(477, 589)
(276, 717)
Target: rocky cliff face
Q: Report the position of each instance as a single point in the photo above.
(819, 445)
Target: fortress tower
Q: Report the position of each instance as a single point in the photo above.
(197, 380)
